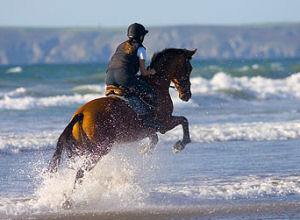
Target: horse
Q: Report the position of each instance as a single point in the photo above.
(99, 124)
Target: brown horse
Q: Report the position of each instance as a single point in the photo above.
(102, 122)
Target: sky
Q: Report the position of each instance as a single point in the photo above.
(112, 13)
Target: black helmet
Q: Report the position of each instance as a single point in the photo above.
(136, 30)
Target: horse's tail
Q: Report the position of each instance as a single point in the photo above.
(63, 143)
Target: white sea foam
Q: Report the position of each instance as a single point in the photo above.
(259, 87)
(16, 69)
(255, 131)
(89, 89)
(28, 102)
(16, 143)
(18, 91)
(234, 188)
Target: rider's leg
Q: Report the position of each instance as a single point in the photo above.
(149, 96)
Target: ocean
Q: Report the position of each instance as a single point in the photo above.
(243, 162)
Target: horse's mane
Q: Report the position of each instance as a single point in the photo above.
(158, 55)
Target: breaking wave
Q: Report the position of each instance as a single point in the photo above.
(221, 84)
(256, 131)
(16, 69)
(246, 187)
(27, 102)
(256, 87)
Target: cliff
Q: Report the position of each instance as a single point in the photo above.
(70, 45)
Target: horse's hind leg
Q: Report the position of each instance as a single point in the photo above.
(87, 166)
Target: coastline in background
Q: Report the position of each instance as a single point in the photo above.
(19, 45)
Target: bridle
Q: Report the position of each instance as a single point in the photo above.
(177, 85)
(176, 82)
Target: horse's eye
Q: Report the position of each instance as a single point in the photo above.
(188, 59)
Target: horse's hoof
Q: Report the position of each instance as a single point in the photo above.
(67, 204)
(178, 147)
(146, 150)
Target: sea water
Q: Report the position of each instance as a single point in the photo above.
(243, 161)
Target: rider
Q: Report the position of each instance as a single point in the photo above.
(123, 68)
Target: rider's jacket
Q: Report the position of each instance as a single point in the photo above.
(125, 58)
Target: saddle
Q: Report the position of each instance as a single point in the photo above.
(140, 107)
(118, 91)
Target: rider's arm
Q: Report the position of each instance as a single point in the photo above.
(142, 57)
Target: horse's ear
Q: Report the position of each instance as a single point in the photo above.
(190, 53)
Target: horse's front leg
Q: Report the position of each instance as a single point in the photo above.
(172, 122)
(151, 146)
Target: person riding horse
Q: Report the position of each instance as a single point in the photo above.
(123, 68)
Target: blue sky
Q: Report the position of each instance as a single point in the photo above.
(112, 13)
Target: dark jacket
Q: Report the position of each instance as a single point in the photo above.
(124, 64)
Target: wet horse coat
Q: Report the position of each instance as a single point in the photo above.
(102, 122)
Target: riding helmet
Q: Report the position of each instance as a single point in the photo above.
(136, 30)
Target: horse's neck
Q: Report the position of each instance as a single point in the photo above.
(165, 104)
(160, 84)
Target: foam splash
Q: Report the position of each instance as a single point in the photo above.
(111, 185)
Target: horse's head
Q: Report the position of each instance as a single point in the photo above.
(174, 65)
(180, 74)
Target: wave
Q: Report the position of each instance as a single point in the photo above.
(27, 102)
(18, 91)
(89, 89)
(221, 84)
(120, 183)
(11, 143)
(234, 188)
(256, 131)
(16, 69)
(256, 87)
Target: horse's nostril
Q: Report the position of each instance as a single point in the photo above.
(185, 96)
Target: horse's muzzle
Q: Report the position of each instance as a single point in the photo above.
(185, 96)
